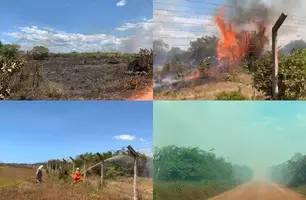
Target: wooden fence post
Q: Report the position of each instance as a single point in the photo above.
(84, 168)
(102, 170)
(73, 165)
(135, 184)
(275, 28)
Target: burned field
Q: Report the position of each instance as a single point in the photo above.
(96, 77)
(75, 76)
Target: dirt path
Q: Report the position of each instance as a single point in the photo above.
(259, 191)
(144, 95)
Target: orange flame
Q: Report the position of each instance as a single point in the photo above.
(232, 45)
(192, 77)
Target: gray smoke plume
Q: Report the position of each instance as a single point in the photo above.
(247, 13)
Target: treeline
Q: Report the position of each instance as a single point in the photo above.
(174, 163)
(291, 173)
(116, 163)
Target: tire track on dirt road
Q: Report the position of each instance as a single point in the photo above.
(259, 191)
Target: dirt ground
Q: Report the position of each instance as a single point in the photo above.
(260, 190)
(19, 184)
(208, 91)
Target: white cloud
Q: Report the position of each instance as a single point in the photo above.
(142, 140)
(61, 41)
(121, 3)
(125, 137)
(146, 24)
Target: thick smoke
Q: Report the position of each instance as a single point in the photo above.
(267, 11)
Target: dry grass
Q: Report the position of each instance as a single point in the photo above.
(210, 90)
(188, 190)
(16, 185)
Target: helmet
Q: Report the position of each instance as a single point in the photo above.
(78, 169)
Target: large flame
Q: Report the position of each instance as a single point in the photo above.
(232, 45)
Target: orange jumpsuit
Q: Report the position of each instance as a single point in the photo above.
(77, 177)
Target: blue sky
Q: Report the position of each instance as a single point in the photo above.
(38, 131)
(257, 134)
(76, 24)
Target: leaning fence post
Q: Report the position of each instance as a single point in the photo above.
(73, 165)
(135, 185)
(275, 28)
(102, 170)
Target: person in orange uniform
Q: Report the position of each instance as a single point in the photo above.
(77, 176)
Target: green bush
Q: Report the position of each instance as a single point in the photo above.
(39, 52)
(233, 95)
(142, 62)
(292, 75)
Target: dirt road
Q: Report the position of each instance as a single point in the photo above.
(259, 191)
(144, 95)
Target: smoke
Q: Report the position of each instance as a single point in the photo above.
(267, 12)
(265, 9)
(141, 39)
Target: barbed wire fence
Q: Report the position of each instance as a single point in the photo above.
(197, 19)
(56, 167)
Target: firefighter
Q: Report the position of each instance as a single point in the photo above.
(77, 176)
(39, 174)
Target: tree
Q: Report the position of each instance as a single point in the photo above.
(9, 51)
(39, 52)
(202, 48)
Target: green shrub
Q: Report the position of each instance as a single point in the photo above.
(233, 95)
(292, 75)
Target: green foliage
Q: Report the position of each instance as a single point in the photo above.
(233, 95)
(39, 53)
(291, 173)
(142, 62)
(203, 48)
(11, 63)
(292, 75)
(9, 51)
(174, 163)
(191, 173)
(118, 168)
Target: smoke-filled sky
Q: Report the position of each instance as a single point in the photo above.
(77, 25)
(180, 21)
(257, 134)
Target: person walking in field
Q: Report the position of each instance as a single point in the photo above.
(77, 176)
(39, 174)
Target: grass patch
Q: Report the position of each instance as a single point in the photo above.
(188, 190)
